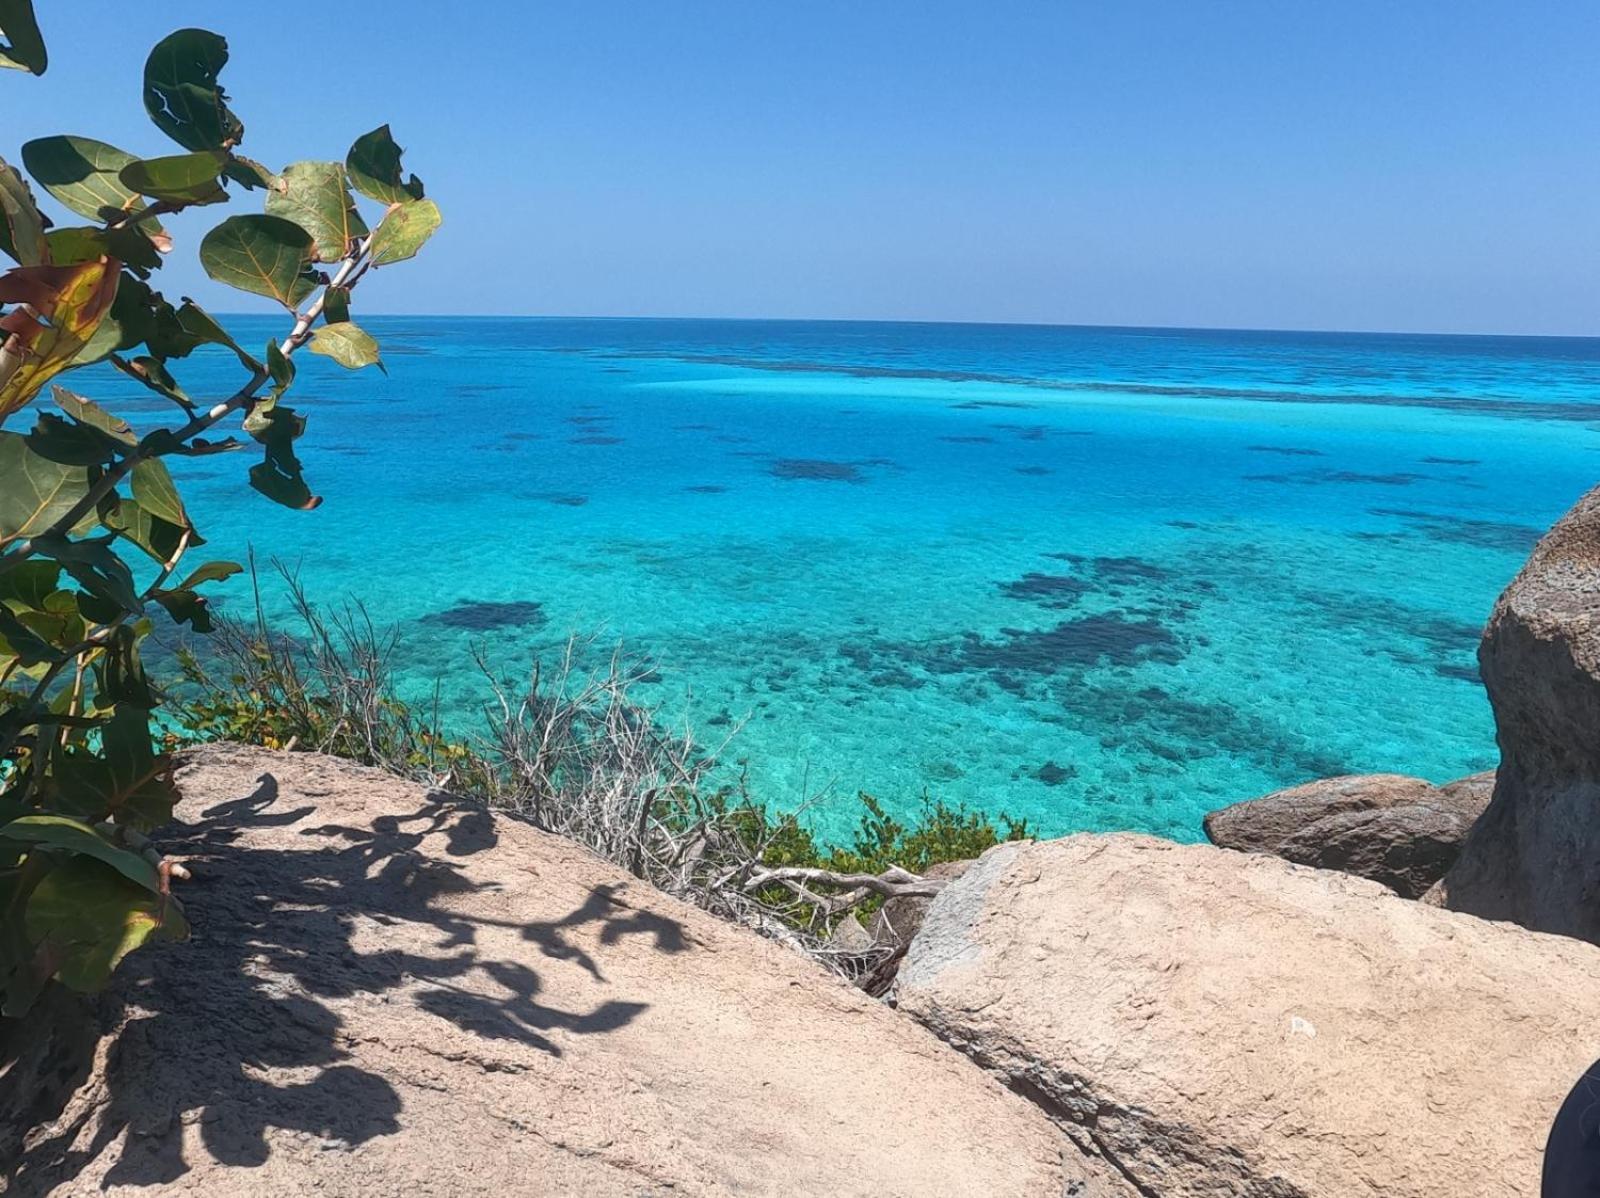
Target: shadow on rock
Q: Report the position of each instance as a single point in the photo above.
(237, 1031)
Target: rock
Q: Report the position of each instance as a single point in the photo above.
(1404, 832)
(1219, 1023)
(895, 924)
(1534, 856)
(850, 935)
(1260, 825)
(1471, 793)
(391, 992)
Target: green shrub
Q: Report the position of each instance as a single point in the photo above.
(92, 526)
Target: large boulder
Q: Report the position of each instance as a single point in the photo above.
(390, 992)
(1534, 857)
(1401, 831)
(1220, 1023)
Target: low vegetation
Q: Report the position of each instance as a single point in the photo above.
(573, 752)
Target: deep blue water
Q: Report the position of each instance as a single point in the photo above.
(1100, 578)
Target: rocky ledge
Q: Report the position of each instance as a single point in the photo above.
(389, 992)
(1215, 1023)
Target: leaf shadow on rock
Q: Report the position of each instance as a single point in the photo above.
(209, 1028)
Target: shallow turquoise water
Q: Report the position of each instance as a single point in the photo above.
(1098, 578)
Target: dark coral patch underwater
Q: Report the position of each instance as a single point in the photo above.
(815, 470)
(485, 615)
(1464, 530)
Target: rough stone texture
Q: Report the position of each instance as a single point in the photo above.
(388, 992)
(1403, 832)
(895, 924)
(1470, 793)
(1534, 856)
(1220, 1023)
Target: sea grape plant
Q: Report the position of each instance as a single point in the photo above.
(92, 527)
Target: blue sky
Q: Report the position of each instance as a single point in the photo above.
(1405, 164)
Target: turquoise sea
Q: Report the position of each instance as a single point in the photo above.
(1101, 578)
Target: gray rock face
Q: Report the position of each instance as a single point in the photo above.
(1227, 1025)
(1400, 831)
(389, 992)
(1534, 857)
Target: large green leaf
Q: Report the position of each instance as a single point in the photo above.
(155, 536)
(178, 178)
(267, 255)
(29, 583)
(347, 345)
(280, 369)
(403, 230)
(155, 491)
(72, 444)
(36, 492)
(84, 175)
(65, 835)
(374, 166)
(21, 226)
(86, 411)
(182, 95)
(315, 197)
(96, 567)
(23, 47)
(87, 917)
(197, 323)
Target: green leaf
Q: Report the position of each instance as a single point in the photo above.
(266, 255)
(185, 607)
(153, 535)
(153, 373)
(65, 835)
(37, 491)
(87, 917)
(281, 486)
(139, 789)
(347, 345)
(200, 325)
(71, 444)
(182, 95)
(374, 167)
(279, 477)
(178, 178)
(83, 174)
(210, 572)
(86, 411)
(401, 233)
(314, 196)
(19, 640)
(21, 226)
(247, 172)
(23, 47)
(280, 369)
(336, 305)
(94, 566)
(29, 583)
(156, 493)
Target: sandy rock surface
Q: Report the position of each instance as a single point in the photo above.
(1219, 1023)
(391, 993)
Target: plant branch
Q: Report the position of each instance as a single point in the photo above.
(348, 271)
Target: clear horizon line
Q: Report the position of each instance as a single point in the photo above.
(1012, 324)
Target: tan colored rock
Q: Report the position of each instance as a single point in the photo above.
(1534, 856)
(1260, 825)
(1403, 832)
(1228, 1024)
(388, 992)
